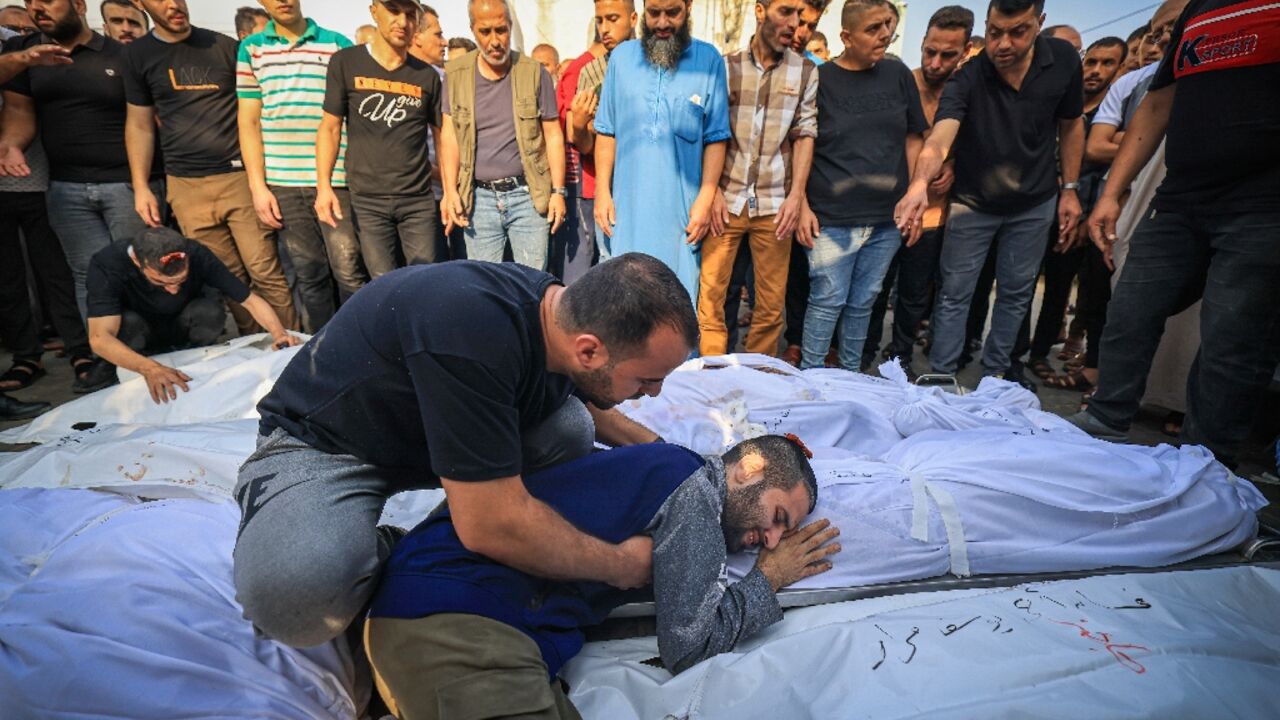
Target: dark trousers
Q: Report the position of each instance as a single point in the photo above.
(913, 272)
(199, 324)
(1059, 271)
(573, 246)
(395, 230)
(319, 254)
(1092, 301)
(1232, 263)
(26, 211)
(797, 295)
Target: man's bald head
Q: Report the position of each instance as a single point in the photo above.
(1168, 13)
(475, 7)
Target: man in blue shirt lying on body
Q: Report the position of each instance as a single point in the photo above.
(451, 629)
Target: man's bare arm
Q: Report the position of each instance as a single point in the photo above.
(1141, 139)
(616, 430)
(1103, 143)
(253, 153)
(910, 210)
(606, 214)
(140, 146)
(13, 63)
(17, 120)
(502, 521)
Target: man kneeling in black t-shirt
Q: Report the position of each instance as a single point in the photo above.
(464, 375)
(160, 293)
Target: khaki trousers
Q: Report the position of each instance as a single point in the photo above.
(217, 212)
(771, 258)
(453, 666)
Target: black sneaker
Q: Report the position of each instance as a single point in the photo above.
(101, 374)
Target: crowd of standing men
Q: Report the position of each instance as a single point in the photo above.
(815, 175)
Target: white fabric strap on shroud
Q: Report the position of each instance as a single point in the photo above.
(921, 490)
(955, 530)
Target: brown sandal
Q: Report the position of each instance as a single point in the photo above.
(1069, 381)
(1073, 346)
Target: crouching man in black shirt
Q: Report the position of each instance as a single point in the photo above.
(154, 295)
(458, 375)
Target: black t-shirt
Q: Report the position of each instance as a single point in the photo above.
(192, 85)
(1222, 144)
(429, 371)
(1005, 150)
(115, 284)
(80, 109)
(388, 114)
(860, 158)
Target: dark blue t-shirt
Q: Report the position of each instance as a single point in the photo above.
(429, 371)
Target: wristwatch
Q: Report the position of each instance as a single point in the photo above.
(560, 191)
(1071, 186)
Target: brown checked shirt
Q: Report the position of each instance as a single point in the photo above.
(768, 110)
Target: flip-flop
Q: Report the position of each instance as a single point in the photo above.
(1173, 424)
(21, 375)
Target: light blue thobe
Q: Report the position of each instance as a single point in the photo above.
(661, 120)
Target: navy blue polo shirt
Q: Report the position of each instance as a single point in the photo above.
(1005, 150)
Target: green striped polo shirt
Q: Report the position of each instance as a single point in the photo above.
(289, 80)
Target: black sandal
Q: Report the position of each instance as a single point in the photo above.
(21, 374)
(1173, 424)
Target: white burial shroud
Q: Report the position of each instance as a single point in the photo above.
(110, 606)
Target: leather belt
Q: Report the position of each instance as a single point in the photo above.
(506, 184)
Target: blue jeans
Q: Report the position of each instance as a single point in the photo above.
(499, 217)
(847, 265)
(87, 217)
(1019, 250)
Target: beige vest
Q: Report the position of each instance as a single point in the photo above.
(525, 74)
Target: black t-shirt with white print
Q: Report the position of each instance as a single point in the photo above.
(388, 114)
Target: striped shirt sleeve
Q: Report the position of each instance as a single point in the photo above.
(247, 86)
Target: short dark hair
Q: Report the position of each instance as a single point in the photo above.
(786, 463)
(1110, 41)
(162, 249)
(819, 5)
(247, 17)
(1138, 34)
(428, 10)
(853, 10)
(817, 35)
(102, 10)
(952, 17)
(623, 300)
(461, 43)
(1015, 7)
